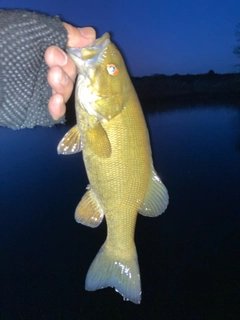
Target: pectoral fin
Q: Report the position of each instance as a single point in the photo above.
(71, 142)
(97, 140)
(89, 212)
(156, 198)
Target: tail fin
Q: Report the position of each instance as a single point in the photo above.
(120, 272)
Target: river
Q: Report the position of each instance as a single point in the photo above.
(189, 256)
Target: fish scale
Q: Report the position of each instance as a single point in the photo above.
(117, 157)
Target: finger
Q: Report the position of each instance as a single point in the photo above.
(54, 56)
(60, 82)
(79, 37)
(56, 106)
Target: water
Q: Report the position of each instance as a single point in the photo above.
(188, 257)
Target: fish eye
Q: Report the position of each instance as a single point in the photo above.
(112, 69)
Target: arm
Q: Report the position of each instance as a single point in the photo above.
(24, 90)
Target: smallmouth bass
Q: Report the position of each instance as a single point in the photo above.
(112, 134)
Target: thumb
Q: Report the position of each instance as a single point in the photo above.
(79, 37)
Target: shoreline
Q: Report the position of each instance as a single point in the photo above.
(162, 87)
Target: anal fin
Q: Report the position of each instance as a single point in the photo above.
(156, 198)
(89, 212)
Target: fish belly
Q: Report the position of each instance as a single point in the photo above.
(119, 183)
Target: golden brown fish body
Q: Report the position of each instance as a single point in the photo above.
(112, 133)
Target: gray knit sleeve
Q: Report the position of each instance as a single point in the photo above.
(24, 90)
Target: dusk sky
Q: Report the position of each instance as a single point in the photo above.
(157, 36)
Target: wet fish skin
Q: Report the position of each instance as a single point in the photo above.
(113, 136)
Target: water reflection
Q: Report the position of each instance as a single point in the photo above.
(188, 256)
(236, 128)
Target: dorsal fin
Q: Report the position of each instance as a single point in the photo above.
(156, 198)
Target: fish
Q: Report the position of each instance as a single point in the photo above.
(112, 134)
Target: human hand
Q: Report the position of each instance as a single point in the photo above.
(63, 71)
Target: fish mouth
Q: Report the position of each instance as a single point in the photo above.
(91, 54)
(87, 59)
